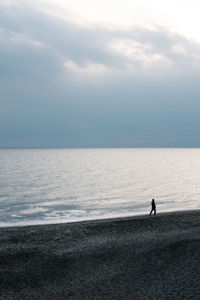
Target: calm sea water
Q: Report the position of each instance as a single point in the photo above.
(59, 185)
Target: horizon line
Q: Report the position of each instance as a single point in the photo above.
(102, 147)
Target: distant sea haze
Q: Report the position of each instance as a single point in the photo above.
(64, 185)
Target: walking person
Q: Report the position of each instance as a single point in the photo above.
(153, 207)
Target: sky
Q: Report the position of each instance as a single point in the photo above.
(97, 73)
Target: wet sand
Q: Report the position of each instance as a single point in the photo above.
(129, 258)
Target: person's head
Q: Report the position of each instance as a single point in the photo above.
(152, 200)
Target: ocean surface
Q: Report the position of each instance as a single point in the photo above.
(40, 186)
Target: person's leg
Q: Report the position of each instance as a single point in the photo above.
(154, 212)
(151, 211)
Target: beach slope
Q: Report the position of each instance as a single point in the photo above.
(129, 258)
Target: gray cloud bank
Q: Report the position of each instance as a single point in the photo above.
(69, 85)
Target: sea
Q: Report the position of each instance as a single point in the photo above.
(44, 186)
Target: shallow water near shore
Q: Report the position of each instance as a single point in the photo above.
(64, 185)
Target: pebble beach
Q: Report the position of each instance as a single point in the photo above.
(144, 257)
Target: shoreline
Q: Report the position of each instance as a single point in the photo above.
(114, 218)
(139, 257)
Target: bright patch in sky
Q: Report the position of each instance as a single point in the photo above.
(181, 16)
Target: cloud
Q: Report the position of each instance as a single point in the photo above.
(64, 84)
(32, 33)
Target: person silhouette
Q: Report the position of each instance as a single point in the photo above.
(153, 207)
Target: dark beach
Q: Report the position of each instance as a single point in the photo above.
(130, 258)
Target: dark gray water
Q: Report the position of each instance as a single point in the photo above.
(59, 185)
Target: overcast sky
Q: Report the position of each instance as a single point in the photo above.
(99, 73)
